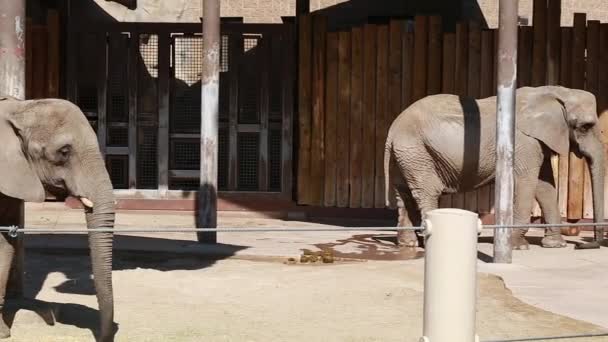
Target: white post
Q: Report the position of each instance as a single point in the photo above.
(450, 275)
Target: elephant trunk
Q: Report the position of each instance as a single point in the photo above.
(594, 153)
(102, 216)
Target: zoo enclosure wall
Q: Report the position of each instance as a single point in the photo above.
(354, 81)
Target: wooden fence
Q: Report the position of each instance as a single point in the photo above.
(353, 83)
(43, 57)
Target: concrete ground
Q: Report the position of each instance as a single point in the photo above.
(169, 288)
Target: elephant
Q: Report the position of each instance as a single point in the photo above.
(48, 146)
(444, 143)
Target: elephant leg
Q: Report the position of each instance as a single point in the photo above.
(523, 201)
(408, 216)
(7, 252)
(546, 195)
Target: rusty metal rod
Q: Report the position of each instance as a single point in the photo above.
(505, 127)
(210, 77)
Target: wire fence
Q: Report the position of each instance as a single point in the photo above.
(13, 231)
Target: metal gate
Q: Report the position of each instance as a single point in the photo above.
(139, 85)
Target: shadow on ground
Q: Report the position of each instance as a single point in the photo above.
(75, 264)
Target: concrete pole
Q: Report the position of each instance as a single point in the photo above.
(505, 127)
(450, 276)
(207, 197)
(12, 82)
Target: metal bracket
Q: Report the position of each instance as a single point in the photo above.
(427, 227)
(13, 232)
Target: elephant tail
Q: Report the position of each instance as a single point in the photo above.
(389, 198)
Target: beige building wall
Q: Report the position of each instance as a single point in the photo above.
(271, 11)
(595, 9)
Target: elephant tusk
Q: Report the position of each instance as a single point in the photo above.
(86, 202)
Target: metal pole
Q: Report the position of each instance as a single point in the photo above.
(450, 276)
(12, 82)
(207, 197)
(505, 127)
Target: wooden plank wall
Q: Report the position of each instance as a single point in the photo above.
(43, 61)
(354, 82)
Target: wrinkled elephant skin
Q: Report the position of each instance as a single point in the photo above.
(49, 146)
(445, 144)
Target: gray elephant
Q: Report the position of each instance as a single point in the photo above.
(445, 144)
(49, 146)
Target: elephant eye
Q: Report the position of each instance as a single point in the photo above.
(63, 154)
(585, 127)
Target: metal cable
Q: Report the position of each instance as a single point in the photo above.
(14, 231)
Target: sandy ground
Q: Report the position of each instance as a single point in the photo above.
(248, 292)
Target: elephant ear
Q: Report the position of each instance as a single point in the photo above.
(544, 118)
(17, 178)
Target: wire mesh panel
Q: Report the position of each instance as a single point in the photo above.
(118, 169)
(89, 67)
(248, 150)
(275, 160)
(187, 55)
(249, 80)
(118, 78)
(118, 136)
(186, 154)
(222, 159)
(147, 112)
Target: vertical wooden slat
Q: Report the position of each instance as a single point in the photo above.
(343, 129)
(460, 83)
(288, 67)
(102, 91)
(164, 53)
(603, 88)
(577, 165)
(304, 107)
(317, 148)
(419, 85)
(407, 69)
(53, 56)
(487, 64)
(265, 46)
(447, 86)
(485, 90)
(356, 112)
(539, 55)
(382, 122)
(448, 65)
(29, 60)
(495, 73)
(236, 52)
(434, 55)
(39, 47)
(400, 75)
(395, 77)
(369, 119)
(331, 119)
(591, 85)
(565, 80)
(133, 59)
(473, 75)
(524, 56)
(553, 40)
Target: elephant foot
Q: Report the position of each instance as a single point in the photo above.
(518, 239)
(407, 238)
(553, 241)
(5, 331)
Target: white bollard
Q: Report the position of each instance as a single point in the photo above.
(450, 275)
